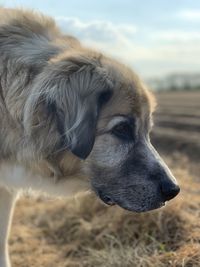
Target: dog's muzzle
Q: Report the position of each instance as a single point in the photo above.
(167, 191)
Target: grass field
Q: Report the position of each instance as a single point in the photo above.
(177, 123)
(82, 232)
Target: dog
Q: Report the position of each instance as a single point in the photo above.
(72, 119)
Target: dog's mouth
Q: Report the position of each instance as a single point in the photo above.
(143, 208)
(129, 204)
(107, 200)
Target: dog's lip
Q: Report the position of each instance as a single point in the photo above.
(110, 203)
(144, 209)
(106, 199)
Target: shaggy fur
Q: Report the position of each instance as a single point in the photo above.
(72, 118)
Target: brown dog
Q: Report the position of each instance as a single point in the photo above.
(70, 118)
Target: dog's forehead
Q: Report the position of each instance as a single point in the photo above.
(130, 95)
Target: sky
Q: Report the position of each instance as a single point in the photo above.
(155, 37)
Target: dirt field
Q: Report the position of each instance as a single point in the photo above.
(82, 232)
(177, 122)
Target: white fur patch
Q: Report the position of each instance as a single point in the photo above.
(16, 177)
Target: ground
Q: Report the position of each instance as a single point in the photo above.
(82, 232)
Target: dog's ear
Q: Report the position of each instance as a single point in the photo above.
(82, 137)
(73, 100)
(84, 93)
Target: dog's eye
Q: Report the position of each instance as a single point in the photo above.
(123, 131)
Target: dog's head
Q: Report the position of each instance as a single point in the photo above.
(103, 116)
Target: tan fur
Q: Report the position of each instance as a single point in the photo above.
(13, 105)
(40, 66)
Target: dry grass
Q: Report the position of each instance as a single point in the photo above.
(82, 232)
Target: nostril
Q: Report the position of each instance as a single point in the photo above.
(169, 191)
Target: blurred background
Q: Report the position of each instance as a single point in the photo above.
(160, 40)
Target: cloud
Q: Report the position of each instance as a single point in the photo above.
(103, 31)
(189, 14)
(177, 36)
(150, 52)
(118, 40)
(114, 39)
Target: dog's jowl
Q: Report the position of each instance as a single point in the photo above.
(72, 119)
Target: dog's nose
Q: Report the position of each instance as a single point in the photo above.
(169, 190)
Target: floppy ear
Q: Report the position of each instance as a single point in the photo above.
(82, 137)
(84, 134)
(74, 100)
(87, 90)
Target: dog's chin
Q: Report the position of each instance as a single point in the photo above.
(142, 208)
(133, 208)
(130, 205)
